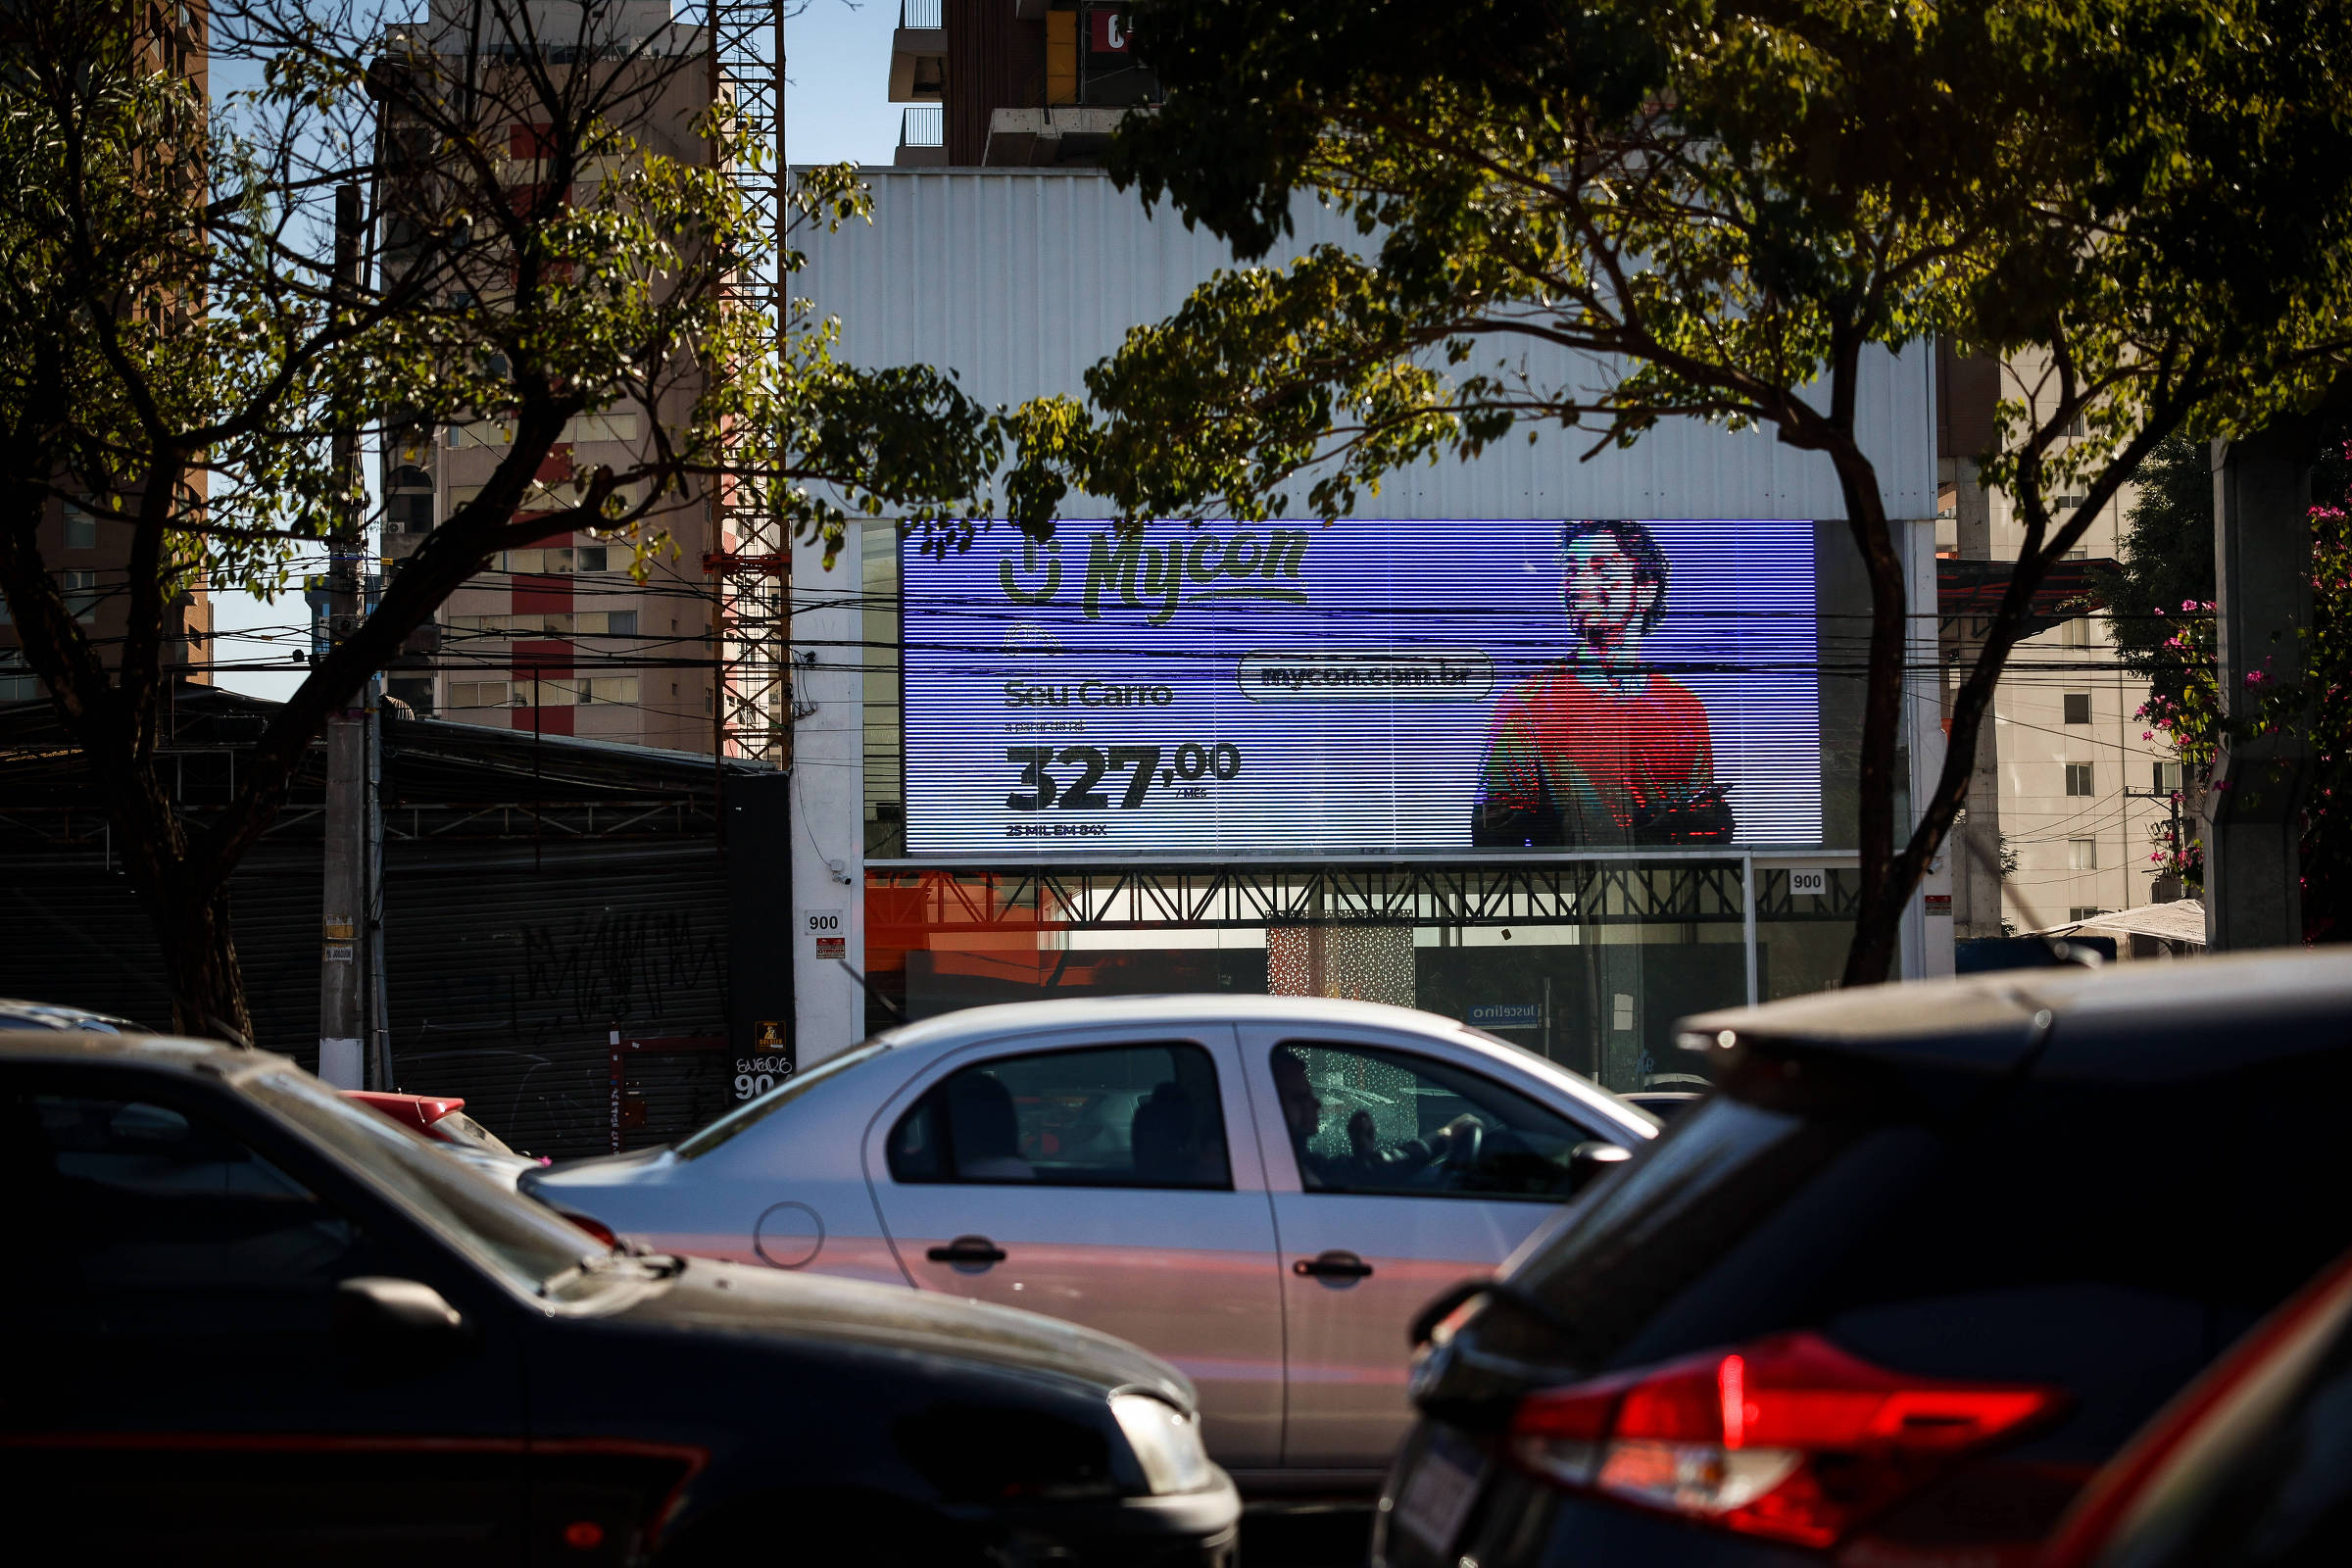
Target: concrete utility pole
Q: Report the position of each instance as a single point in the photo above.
(345, 939)
(1976, 853)
(2262, 572)
(827, 694)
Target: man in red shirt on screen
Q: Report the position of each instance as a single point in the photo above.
(1598, 749)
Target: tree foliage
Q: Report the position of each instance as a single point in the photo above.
(205, 313)
(1718, 212)
(2163, 563)
(2325, 700)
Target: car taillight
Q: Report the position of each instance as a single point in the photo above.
(1789, 1438)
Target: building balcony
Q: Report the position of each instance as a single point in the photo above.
(1042, 138)
(922, 138)
(918, 54)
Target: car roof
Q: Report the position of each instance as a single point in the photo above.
(1003, 1019)
(170, 1053)
(2140, 1020)
(1072, 1012)
(410, 1111)
(56, 1015)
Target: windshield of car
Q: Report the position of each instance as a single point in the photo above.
(1545, 1067)
(527, 1244)
(744, 1117)
(459, 1128)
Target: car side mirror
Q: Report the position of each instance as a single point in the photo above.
(379, 1319)
(1593, 1157)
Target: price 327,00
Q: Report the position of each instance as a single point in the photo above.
(1084, 767)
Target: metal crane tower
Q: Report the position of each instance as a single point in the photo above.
(749, 561)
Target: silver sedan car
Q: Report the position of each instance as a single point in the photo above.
(1262, 1189)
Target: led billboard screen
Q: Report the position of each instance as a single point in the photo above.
(1371, 686)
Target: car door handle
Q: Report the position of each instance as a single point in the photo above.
(1332, 1266)
(967, 1249)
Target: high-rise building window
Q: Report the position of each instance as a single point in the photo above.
(81, 592)
(2076, 633)
(18, 684)
(2082, 855)
(411, 512)
(2077, 779)
(479, 694)
(2168, 778)
(82, 529)
(2078, 708)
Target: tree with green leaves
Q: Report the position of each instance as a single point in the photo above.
(1720, 212)
(204, 315)
(2326, 700)
(2159, 598)
(2163, 563)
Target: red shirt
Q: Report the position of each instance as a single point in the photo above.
(1593, 755)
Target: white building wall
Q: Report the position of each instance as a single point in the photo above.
(1021, 280)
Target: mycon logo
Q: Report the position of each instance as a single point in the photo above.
(1164, 577)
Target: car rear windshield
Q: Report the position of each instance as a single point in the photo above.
(1616, 1259)
(2198, 1203)
(744, 1117)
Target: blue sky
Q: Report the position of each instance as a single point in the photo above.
(837, 92)
(836, 109)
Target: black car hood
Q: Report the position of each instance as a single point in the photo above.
(711, 1297)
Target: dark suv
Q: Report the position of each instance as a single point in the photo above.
(1929, 1256)
(251, 1322)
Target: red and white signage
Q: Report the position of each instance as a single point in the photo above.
(1109, 33)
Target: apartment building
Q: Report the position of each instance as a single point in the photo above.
(1012, 83)
(2082, 786)
(89, 552)
(560, 638)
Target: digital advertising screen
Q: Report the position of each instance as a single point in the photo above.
(1368, 686)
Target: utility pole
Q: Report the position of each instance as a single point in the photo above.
(347, 943)
(2179, 846)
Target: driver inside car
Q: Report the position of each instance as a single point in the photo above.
(1366, 1163)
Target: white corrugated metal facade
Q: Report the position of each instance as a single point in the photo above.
(1019, 279)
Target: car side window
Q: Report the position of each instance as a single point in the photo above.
(1144, 1116)
(145, 1198)
(1363, 1119)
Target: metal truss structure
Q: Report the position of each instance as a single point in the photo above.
(1246, 896)
(40, 829)
(749, 561)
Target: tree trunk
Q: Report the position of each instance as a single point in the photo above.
(186, 905)
(199, 958)
(1870, 956)
(184, 896)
